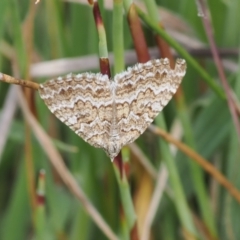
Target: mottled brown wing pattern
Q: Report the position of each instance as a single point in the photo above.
(83, 102)
(110, 114)
(142, 92)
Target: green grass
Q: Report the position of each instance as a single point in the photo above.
(191, 198)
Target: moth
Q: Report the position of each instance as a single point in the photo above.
(110, 113)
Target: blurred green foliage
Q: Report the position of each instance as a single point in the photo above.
(66, 29)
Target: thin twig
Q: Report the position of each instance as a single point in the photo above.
(208, 167)
(8, 79)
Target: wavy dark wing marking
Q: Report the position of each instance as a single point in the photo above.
(142, 92)
(83, 102)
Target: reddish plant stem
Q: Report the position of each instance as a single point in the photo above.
(164, 49)
(105, 69)
(119, 163)
(105, 66)
(137, 35)
(103, 61)
(134, 233)
(40, 196)
(97, 15)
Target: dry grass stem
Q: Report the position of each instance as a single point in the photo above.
(9, 79)
(208, 167)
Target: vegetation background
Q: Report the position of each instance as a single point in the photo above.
(154, 191)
